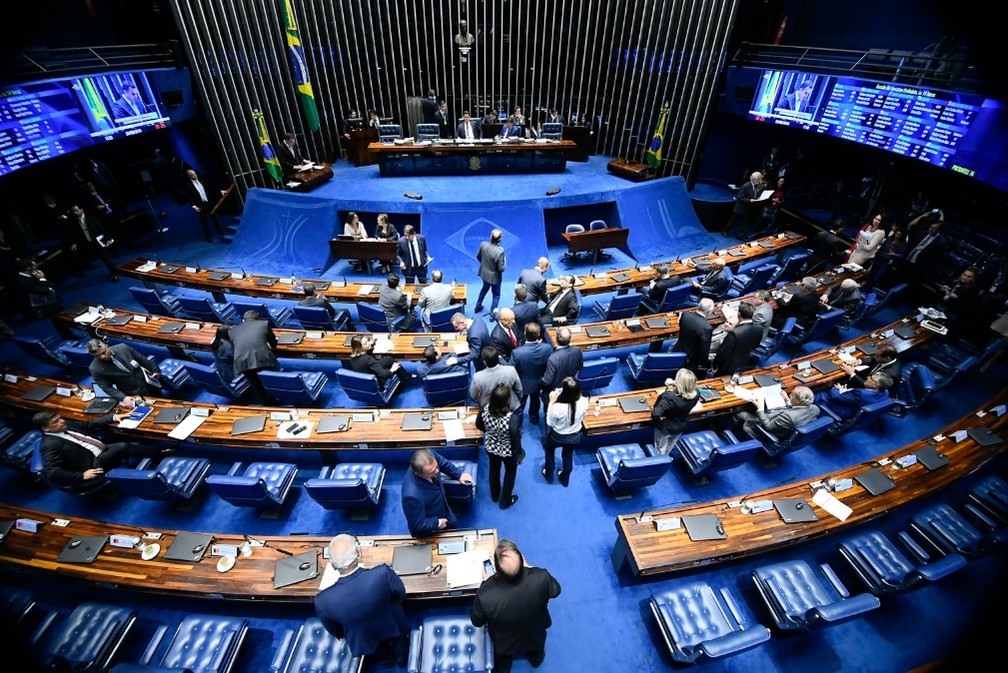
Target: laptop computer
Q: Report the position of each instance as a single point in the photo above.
(704, 527)
(82, 549)
(101, 405)
(321, 285)
(656, 323)
(344, 237)
(290, 338)
(189, 547)
(219, 275)
(169, 268)
(906, 332)
(794, 510)
(736, 252)
(425, 340)
(764, 380)
(875, 481)
(597, 331)
(867, 348)
(790, 235)
(620, 277)
(984, 436)
(171, 328)
(171, 415)
(825, 366)
(294, 569)
(417, 421)
(340, 423)
(631, 405)
(931, 458)
(244, 426)
(5, 527)
(39, 393)
(413, 559)
(266, 281)
(708, 394)
(767, 244)
(118, 320)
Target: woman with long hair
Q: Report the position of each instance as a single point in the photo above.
(564, 414)
(501, 428)
(353, 227)
(672, 409)
(385, 231)
(868, 241)
(223, 353)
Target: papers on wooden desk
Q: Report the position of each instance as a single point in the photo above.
(187, 427)
(453, 430)
(147, 267)
(365, 290)
(828, 502)
(382, 346)
(466, 569)
(88, 318)
(136, 417)
(773, 397)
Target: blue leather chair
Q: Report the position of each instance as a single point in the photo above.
(46, 349)
(314, 650)
(866, 415)
(372, 317)
(201, 644)
(697, 620)
(389, 132)
(156, 303)
(803, 435)
(789, 268)
(619, 307)
(597, 373)
(648, 369)
(675, 297)
(16, 603)
(176, 478)
(991, 494)
(260, 485)
(629, 466)
(592, 226)
(347, 486)
(448, 389)
(775, 338)
(797, 598)
(446, 643)
(440, 319)
(573, 228)
(210, 379)
(277, 317)
(365, 388)
(427, 132)
(889, 297)
(78, 356)
(294, 387)
(915, 388)
(820, 327)
(203, 308)
(751, 279)
(318, 318)
(552, 131)
(884, 569)
(89, 640)
(950, 532)
(19, 454)
(706, 451)
(456, 492)
(173, 373)
(6, 433)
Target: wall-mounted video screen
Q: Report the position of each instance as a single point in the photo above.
(963, 133)
(42, 120)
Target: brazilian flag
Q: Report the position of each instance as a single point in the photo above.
(269, 156)
(653, 157)
(96, 105)
(299, 67)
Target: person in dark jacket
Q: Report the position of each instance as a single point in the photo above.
(423, 497)
(123, 372)
(254, 350)
(501, 428)
(734, 351)
(672, 409)
(695, 330)
(364, 361)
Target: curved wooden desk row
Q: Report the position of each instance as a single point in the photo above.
(251, 578)
(269, 287)
(618, 333)
(612, 419)
(649, 552)
(197, 335)
(367, 428)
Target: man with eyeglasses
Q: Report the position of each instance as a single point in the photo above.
(423, 497)
(363, 606)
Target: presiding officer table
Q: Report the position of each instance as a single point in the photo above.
(473, 157)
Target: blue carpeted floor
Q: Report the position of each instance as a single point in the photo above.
(601, 621)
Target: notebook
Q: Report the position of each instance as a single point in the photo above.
(620, 277)
(219, 275)
(424, 341)
(417, 421)
(244, 426)
(764, 380)
(290, 338)
(867, 348)
(101, 405)
(189, 547)
(453, 547)
(597, 331)
(767, 244)
(984, 436)
(294, 569)
(656, 323)
(169, 268)
(414, 559)
(171, 415)
(906, 332)
(825, 366)
(704, 527)
(792, 235)
(266, 282)
(794, 510)
(708, 394)
(82, 549)
(875, 481)
(118, 320)
(5, 527)
(631, 405)
(736, 252)
(39, 393)
(333, 424)
(931, 458)
(171, 328)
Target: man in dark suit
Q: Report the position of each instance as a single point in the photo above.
(799, 99)
(529, 361)
(505, 336)
(200, 196)
(397, 306)
(413, 258)
(316, 300)
(477, 335)
(509, 129)
(564, 361)
(441, 118)
(715, 282)
(745, 196)
(534, 280)
(562, 307)
(803, 305)
(430, 107)
(122, 372)
(828, 249)
(925, 246)
(423, 497)
(654, 294)
(38, 296)
(694, 340)
(364, 606)
(525, 309)
(128, 104)
(513, 605)
(734, 351)
(436, 362)
(468, 128)
(289, 155)
(254, 350)
(846, 296)
(845, 402)
(884, 359)
(781, 422)
(83, 231)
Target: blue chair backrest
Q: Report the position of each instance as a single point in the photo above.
(372, 317)
(151, 301)
(89, 638)
(674, 297)
(41, 350)
(428, 131)
(597, 224)
(790, 267)
(552, 131)
(200, 308)
(209, 643)
(918, 383)
(450, 388)
(314, 317)
(440, 319)
(285, 381)
(574, 228)
(360, 386)
(893, 295)
(315, 649)
(623, 306)
(597, 373)
(389, 132)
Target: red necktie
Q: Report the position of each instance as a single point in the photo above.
(511, 334)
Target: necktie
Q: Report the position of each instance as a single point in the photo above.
(199, 188)
(514, 341)
(89, 443)
(120, 364)
(84, 228)
(920, 247)
(415, 252)
(469, 133)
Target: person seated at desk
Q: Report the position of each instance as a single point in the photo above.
(716, 281)
(363, 360)
(519, 116)
(803, 305)
(373, 120)
(510, 129)
(38, 296)
(655, 291)
(562, 307)
(433, 297)
(846, 296)
(122, 372)
(355, 230)
(884, 359)
(489, 118)
(554, 117)
(398, 310)
(845, 402)
(468, 129)
(351, 122)
(311, 298)
(780, 422)
(437, 362)
(423, 497)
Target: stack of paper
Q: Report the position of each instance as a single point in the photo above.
(466, 569)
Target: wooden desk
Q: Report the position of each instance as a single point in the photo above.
(596, 240)
(371, 430)
(612, 419)
(383, 251)
(451, 158)
(647, 552)
(315, 344)
(358, 145)
(336, 291)
(305, 181)
(251, 578)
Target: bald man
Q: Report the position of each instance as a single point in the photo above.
(715, 282)
(506, 336)
(845, 296)
(534, 280)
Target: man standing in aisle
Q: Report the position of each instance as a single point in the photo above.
(413, 258)
(491, 269)
(199, 197)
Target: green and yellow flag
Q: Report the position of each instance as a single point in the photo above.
(96, 105)
(299, 67)
(270, 160)
(653, 157)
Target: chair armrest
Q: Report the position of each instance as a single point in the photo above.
(42, 627)
(831, 576)
(153, 645)
(846, 608)
(281, 654)
(415, 648)
(144, 464)
(912, 545)
(735, 641)
(234, 470)
(940, 568)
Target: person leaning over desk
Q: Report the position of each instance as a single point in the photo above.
(423, 498)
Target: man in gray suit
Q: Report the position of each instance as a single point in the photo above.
(120, 371)
(534, 280)
(435, 296)
(254, 350)
(780, 422)
(493, 375)
(491, 269)
(398, 312)
(311, 298)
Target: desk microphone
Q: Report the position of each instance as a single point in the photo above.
(264, 543)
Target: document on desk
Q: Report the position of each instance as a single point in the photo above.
(828, 502)
(461, 348)
(773, 398)
(753, 395)
(364, 290)
(136, 417)
(187, 427)
(329, 577)
(466, 569)
(382, 346)
(453, 430)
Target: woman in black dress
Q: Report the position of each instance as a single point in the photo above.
(672, 408)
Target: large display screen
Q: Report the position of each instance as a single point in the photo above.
(42, 120)
(960, 132)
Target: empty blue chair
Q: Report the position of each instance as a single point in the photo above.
(573, 228)
(445, 643)
(619, 307)
(915, 388)
(318, 318)
(89, 639)
(175, 479)
(801, 436)
(45, 349)
(156, 303)
(597, 373)
(751, 280)
(203, 308)
(675, 297)
(19, 454)
(552, 131)
(797, 598)
(262, 484)
(389, 132)
(294, 387)
(173, 373)
(427, 132)
(447, 389)
(201, 644)
(884, 569)
(6, 433)
(706, 451)
(950, 531)
(696, 620)
(866, 415)
(364, 387)
(774, 339)
(372, 317)
(211, 380)
(629, 466)
(652, 368)
(889, 297)
(820, 327)
(16, 603)
(347, 486)
(789, 268)
(77, 354)
(276, 317)
(991, 493)
(314, 650)
(457, 493)
(440, 319)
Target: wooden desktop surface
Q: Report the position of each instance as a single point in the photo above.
(368, 248)
(381, 150)
(591, 240)
(307, 180)
(251, 578)
(650, 552)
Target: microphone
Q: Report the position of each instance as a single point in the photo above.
(244, 275)
(644, 517)
(265, 543)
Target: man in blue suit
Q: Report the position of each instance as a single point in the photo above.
(845, 402)
(529, 361)
(363, 606)
(525, 309)
(565, 361)
(477, 335)
(423, 497)
(534, 280)
(436, 362)
(509, 129)
(716, 281)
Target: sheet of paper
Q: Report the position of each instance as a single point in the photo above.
(383, 346)
(466, 569)
(461, 348)
(773, 398)
(453, 430)
(187, 427)
(764, 195)
(749, 394)
(329, 577)
(828, 502)
(364, 290)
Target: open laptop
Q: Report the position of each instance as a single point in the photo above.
(631, 405)
(656, 323)
(101, 405)
(337, 423)
(244, 426)
(294, 569)
(417, 421)
(984, 436)
(413, 559)
(82, 549)
(171, 328)
(704, 527)
(825, 366)
(875, 481)
(794, 510)
(5, 527)
(171, 415)
(597, 331)
(290, 338)
(425, 340)
(189, 547)
(266, 281)
(39, 393)
(931, 458)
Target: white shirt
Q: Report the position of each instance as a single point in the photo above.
(77, 438)
(199, 188)
(558, 416)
